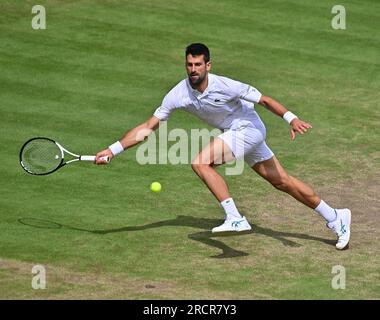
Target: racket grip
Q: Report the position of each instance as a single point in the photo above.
(105, 158)
(92, 158)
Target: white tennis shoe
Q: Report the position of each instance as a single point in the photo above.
(341, 226)
(233, 224)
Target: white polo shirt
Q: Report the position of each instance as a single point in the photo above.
(223, 101)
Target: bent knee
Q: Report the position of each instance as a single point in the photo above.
(198, 166)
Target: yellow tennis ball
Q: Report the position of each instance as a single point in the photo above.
(155, 187)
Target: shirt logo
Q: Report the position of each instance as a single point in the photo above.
(217, 100)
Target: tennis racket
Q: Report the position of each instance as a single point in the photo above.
(41, 156)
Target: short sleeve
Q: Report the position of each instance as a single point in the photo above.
(241, 90)
(251, 94)
(167, 106)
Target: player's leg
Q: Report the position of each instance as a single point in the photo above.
(272, 171)
(338, 220)
(214, 154)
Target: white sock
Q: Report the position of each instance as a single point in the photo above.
(326, 211)
(230, 209)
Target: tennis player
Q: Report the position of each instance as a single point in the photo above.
(229, 105)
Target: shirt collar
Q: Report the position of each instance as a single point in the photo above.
(209, 86)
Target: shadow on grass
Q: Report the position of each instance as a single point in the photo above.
(205, 237)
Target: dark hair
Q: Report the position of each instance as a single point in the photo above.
(197, 49)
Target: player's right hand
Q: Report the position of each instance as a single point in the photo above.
(105, 153)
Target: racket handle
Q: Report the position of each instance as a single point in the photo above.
(92, 158)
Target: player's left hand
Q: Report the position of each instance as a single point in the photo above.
(299, 126)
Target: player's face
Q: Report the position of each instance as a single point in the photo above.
(197, 68)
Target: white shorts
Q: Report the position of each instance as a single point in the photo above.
(247, 140)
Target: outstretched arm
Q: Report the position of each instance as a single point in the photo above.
(296, 125)
(130, 138)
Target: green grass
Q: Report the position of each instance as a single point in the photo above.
(102, 67)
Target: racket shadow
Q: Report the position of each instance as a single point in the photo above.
(206, 237)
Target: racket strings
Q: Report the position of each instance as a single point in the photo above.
(41, 156)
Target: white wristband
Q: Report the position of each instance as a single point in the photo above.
(116, 148)
(289, 117)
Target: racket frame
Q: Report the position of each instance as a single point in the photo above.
(63, 150)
